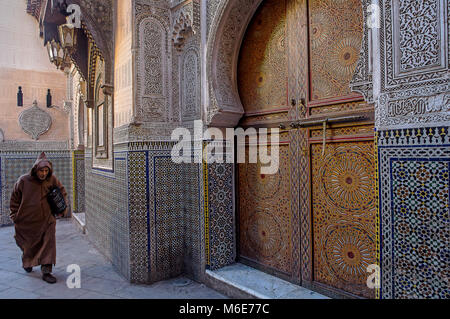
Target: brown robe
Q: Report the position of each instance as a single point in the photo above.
(32, 217)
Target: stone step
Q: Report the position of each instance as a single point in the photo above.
(79, 219)
(241, 281)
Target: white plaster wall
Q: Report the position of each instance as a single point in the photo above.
(24, 62)
(21, 46)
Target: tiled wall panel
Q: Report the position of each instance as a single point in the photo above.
(107, 211)
(165, 214)
(414, 166)
(15, 164)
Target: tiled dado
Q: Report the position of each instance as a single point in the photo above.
(219, 221)
(414, 167)
(16, 163)
(78, 178)
(107, 222)
(164, 214)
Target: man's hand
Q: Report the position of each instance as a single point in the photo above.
(61, 215)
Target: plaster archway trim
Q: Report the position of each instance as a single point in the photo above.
(224, 41)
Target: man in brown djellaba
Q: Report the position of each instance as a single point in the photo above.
(34, 223)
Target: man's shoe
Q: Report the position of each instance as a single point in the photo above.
(28, 269)
(49, 278)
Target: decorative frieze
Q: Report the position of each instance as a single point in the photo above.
(407, 108)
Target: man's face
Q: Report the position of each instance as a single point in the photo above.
(42, 173)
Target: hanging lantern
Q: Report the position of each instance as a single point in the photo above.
(67, 36)
(58, 53)
(49, 47)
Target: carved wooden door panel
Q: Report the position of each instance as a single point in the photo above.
(265, 217)
(344, 214)
(343, 201)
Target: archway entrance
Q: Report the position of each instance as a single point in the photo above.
(314, 222)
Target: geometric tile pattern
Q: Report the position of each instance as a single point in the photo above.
(138, 216)
(107, 220)
(15, 164)
(420, 240)
(164, 213)
(221, 223)
(78, 181)
(193, 215)
(167, 201)
(414, 167)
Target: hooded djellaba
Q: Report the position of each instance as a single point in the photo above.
(34, 223)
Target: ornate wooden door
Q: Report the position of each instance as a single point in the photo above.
(314, 222)
(343, 201)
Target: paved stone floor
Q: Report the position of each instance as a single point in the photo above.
(98, 279)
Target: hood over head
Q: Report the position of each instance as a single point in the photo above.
(41, 162)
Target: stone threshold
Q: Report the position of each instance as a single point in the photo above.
(241, 281)
(79, 219)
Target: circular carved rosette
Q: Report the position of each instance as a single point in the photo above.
(348, 181)
(346, 252)
(264, 234)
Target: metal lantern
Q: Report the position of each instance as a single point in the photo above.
(49, 47)
(67, 36)
(57, 53)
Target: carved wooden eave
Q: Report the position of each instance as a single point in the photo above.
(34, 8)
(96, 19)
(80, 56)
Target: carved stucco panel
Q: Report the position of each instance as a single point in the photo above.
(362, 78)
(185, 23)
(153, 65)
(190, 84)
(414, 61)
(414, 44)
